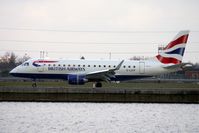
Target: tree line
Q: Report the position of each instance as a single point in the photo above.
(9, 61)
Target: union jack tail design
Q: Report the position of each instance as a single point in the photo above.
(174, 51)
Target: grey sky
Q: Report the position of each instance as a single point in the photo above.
(93, 28)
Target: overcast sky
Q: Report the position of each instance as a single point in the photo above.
(94, 28)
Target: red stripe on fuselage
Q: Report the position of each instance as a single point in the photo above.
(180, 40)
(44, 61)
(167, 60)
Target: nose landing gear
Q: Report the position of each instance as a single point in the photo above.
(34, 84)
(97, 84)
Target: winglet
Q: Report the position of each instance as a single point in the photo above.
(119, 65)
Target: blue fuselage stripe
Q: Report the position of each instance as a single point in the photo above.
(65, 76)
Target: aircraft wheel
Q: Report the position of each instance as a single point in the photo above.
(98, 84)
(34, 85)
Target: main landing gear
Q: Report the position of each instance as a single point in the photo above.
(97, 84)
(34, 84)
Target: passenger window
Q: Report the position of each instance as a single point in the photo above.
(99, 65)
(124, 66)
(59, 65)
(48, 64)
(83, 65)
(78, 65)
(114, 66)
(104, 65)
(53, 64)
(129, 66)
(94, 65)
(64, 65)
(88, 65)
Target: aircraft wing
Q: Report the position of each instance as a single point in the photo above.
(104, 75)
(177, 66)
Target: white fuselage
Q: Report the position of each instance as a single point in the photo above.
(59, 69)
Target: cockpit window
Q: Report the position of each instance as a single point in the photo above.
(25, 64)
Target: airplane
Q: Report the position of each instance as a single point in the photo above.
(78, 72)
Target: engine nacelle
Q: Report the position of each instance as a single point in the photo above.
(76, 79)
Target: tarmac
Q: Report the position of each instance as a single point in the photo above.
(123, 95)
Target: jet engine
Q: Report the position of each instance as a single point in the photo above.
(76, 79)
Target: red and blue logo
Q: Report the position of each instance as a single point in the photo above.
(174, 51)
(38, 63)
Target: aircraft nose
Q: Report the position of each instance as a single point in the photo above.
(13, 72)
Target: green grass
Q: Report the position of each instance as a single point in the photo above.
(29, 84)
(105, 85)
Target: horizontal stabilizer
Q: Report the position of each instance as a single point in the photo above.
(177, 66)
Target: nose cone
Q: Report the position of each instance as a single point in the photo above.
(13, 72)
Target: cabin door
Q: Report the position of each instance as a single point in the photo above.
(142, 67)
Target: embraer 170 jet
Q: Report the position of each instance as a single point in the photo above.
(78, 72)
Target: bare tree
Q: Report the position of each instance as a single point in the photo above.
(8, 61)
(22, 59)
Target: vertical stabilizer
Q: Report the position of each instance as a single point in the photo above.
(174, 51)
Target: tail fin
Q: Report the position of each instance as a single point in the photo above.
(174, 51)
